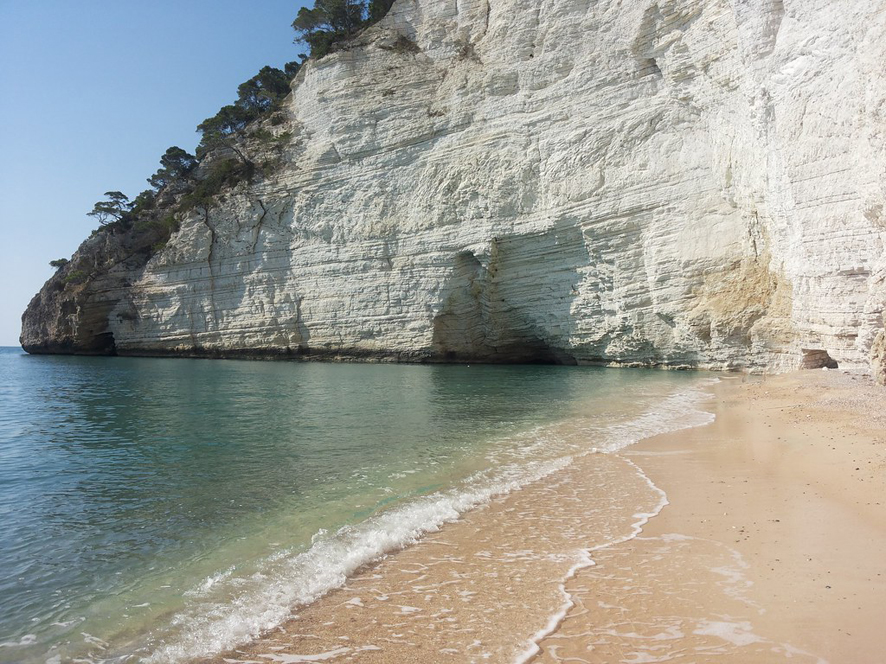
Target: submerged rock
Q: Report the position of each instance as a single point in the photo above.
(667, 182)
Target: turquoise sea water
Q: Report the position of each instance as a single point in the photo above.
(167, 509)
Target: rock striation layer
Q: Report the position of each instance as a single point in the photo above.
(662, 182)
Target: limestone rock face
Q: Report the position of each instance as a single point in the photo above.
(878, 358)
(653, 182)
(71, 312)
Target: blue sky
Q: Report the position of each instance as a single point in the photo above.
(92, 93)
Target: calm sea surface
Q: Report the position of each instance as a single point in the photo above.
(166, 509)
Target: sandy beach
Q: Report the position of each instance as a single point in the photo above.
(772, 546)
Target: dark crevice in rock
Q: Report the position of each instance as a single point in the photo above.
(814, 358)
(213, 237)
(486, 19)
(258, 225)
(649, 67)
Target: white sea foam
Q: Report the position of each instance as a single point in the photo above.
(268, 597)
(300, 659)
(292, 579)
(205, 586)
(675, 413)
(27, 639)
(739, 634)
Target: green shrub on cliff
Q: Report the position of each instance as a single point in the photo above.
(113, 208)
(378, 9)
(174, 165)
(264, 90)
(143, 202)
(329, 22)
(256, 98)
(76, 277)
(223, 173)
(185, 182)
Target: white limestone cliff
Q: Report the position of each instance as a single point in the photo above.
(683, 182)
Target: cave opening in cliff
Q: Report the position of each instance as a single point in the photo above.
(105, 344)
(528, 351)
(816, 358)
(537, 351)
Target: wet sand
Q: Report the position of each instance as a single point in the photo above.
(479, 589)
(773, 546)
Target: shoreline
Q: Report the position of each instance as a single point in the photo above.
(555, 622)
(415, 357)
(773, 544)
(752, 548)
(481, 588)
(487, 586)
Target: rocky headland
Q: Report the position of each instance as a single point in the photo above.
(670, 182)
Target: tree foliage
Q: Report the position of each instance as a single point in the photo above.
(256, 97)
(291, 69)
(378, 9)
(153, 215)
(174, 165)
(343, 16)
(264, 90)
(59, 263)
(76, 277)
(229, 120)
(143, 202)
(332, 21)
(222, 173)
(112, 209)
